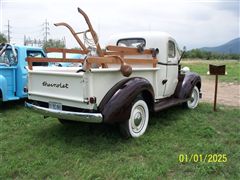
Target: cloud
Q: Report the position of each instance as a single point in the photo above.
(192, 23)
(231, 6)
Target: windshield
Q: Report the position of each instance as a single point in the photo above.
(8, 58)
(132, 42)
(35, 54)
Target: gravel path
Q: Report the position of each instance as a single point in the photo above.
(228, 93)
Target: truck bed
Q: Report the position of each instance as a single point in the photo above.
(65, 85)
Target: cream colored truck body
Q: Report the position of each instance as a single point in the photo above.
(64, 86)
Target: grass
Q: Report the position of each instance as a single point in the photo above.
(202, 67)
(37, 148)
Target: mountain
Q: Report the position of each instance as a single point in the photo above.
(231, 47)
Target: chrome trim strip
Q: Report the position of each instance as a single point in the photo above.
(165, 64)
(31, 93)
(67, 115)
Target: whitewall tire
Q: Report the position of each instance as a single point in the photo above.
(137, 124)
(194, 99)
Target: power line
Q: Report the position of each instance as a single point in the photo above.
(9, 32)
(33, 42)
(46, 30)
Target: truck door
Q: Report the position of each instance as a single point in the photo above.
(8, 67)
(172, 69)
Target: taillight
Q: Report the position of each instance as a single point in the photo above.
(92, 100)
(25, 89)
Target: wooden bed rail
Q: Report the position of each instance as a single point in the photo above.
(30, 60)
(118, 50)
(115, 56)
(119, 60)
(65, 51)
(112, 54)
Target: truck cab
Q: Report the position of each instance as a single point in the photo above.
(13, 72)
(167, 56)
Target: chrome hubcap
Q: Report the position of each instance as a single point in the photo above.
(138, 119)
(193, 101)
(193, 97)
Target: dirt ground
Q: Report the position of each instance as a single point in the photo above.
(228, 93)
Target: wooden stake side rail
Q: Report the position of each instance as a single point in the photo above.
(30, 60)
(97, 60)
(62, 50)
(117, 50)
(117, 60)
(113, 56)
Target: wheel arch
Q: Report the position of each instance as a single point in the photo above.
(199, 85)
(117, 103)
(148, 98)
(186, 85)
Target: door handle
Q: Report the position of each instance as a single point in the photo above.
(164, 81)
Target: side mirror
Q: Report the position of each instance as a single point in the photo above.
(184, 50)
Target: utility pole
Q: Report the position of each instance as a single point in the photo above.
(46, 30)
(8, 32)
(25, 40)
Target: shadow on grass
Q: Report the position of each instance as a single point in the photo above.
(167, 116)
(79, 134)
(9, 105)
(97, 135)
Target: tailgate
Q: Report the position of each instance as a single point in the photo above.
(69, 89)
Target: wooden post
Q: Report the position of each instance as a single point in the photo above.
(215, 94)
(216, 70)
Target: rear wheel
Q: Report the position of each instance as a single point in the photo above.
(136, 125)
(194, 99)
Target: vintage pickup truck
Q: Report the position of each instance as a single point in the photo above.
(13, 74)
(135, 74)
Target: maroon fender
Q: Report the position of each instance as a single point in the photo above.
(186, 84)
(117, 103)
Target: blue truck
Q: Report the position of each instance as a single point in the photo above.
(13, 72)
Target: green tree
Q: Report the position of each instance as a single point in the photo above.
(197, 53)
(53, 43)
(3, 38)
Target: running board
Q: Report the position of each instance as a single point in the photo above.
(168, 102)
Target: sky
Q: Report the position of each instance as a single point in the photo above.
(193, 23)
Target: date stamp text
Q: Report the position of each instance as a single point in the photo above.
(206, 158)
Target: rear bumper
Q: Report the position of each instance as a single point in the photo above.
(67, 115)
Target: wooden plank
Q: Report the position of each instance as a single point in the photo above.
(76, 51)
(125, 53)
(98, 60)
(30, 60)
(128, 50)
(139, 61)
(116, 60)
(106, 60)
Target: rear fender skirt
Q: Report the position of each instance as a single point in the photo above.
(116, 105)
(186, 84)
